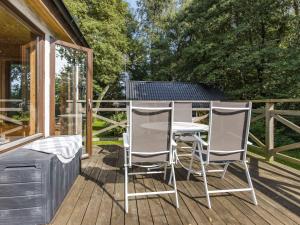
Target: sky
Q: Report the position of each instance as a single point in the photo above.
(132, 3)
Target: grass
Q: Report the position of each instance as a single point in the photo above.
(287, 163)
(293, 153)
(117, 142)
(98, 124)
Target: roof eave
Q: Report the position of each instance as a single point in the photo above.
(60, 5)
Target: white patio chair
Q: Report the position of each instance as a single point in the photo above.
(227, 143)
(148, 143)
(183, 112)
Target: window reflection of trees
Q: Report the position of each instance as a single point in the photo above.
(16, 81)
(69, 60)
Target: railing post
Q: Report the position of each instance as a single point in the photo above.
(269, 130)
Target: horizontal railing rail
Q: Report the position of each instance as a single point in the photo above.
(11, 100)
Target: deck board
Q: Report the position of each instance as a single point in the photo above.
(97, 196)
(118, 214)
(267, 211)
(273, 191)
(132, 216)
(167, 204)
(143, 207)
(81, 206)
(92, 211)
(105, 210)
(157, 212)
(67, 207)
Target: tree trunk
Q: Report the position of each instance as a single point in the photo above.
(296, 7)
(101, 96)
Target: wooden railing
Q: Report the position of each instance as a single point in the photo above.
(262, 109)
(270, 113)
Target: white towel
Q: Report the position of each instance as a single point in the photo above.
(64, 147)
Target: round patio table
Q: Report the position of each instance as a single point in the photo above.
(178, 127)
(189, 127)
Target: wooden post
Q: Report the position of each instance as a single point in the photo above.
(269, 130)
(33, 87)
(2, 83)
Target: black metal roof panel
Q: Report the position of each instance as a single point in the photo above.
(169, 90)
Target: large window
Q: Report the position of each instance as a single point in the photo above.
(18, 79)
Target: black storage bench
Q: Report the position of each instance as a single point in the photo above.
(33, 185)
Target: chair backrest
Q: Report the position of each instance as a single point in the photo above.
(229, 130)
(150, 132)
(183, 112)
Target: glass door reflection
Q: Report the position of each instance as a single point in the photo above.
(71, 71)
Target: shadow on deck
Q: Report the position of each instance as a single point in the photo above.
(97, 196)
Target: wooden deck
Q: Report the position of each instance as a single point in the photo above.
(97, 196)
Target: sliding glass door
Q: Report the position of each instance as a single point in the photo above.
(71, 91)
(18, 79)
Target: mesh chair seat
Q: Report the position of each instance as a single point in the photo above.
(204, 158)
(142, 159)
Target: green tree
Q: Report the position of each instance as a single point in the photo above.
(153, 17)
(105, 26)
(249, 49)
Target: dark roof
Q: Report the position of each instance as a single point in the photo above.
(165, 90)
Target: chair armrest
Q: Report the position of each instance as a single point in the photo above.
(201, 140)
(125, 140)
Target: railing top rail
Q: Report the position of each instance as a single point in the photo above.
(291, 100)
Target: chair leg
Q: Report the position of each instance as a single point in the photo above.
(165, 172)
(174, 184)
(205, 186)
(191, 162)
(171, 174)
(250, 183)
(225, 169)
(126, 189)
(170, 178)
